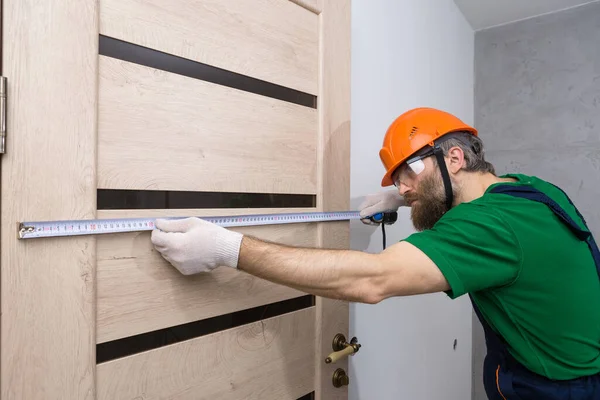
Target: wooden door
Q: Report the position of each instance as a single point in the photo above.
(153, 108)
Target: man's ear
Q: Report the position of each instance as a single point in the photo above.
(455, 160)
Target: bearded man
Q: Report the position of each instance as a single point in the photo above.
(515, 244)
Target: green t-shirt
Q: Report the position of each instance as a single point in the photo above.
(535, 283)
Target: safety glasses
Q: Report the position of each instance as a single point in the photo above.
(409, 170)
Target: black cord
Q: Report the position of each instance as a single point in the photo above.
(383, 234)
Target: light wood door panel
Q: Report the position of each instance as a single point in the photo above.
(270, 359)
(80, 121)
(163, 131)
(48, 172)
(138, 291)
(273, 40)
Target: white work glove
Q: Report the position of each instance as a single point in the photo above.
(193, 245)
(384, 201)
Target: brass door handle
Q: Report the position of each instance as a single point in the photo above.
(342, 348)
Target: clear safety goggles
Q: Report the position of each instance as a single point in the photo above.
(409, 170)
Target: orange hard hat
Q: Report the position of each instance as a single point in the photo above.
(412, 131)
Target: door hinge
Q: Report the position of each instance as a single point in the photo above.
(2, 114)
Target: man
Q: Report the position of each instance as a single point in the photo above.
(514, 243)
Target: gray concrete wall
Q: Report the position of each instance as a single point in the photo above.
(537, 106)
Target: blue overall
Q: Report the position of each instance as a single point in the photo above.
(504, 378)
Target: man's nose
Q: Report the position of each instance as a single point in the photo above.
(403, 189)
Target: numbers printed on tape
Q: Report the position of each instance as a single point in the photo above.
(41, 229)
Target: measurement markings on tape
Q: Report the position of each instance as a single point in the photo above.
(42, 229)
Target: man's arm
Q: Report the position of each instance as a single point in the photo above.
(400, 270)
(193, 245)
(408, 271)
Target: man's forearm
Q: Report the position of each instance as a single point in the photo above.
(340, 274)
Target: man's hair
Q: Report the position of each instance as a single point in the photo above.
(472, 147)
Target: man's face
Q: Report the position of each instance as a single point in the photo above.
(424, 193)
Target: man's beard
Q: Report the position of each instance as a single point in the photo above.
(431, 205)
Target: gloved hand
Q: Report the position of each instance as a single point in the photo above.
(387, 200)
(193, 245)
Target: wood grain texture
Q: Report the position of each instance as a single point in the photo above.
(310, 5)
(48, 172)
(138, 291)
(270, 359)
(334, 174)
(164, 131)
(271, 40)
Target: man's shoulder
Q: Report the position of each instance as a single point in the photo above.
(498, 209)
(528, 180)
(492, 206)
(552, 190)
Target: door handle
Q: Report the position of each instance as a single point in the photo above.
(341, 348)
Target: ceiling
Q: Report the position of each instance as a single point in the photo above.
(483, 14)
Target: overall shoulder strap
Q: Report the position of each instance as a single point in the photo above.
(534, 194)
(531, 193)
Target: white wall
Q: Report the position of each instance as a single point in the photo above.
(405, 54)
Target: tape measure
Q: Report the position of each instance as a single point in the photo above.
(45, 229)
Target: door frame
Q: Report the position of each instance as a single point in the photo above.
(334, 186)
